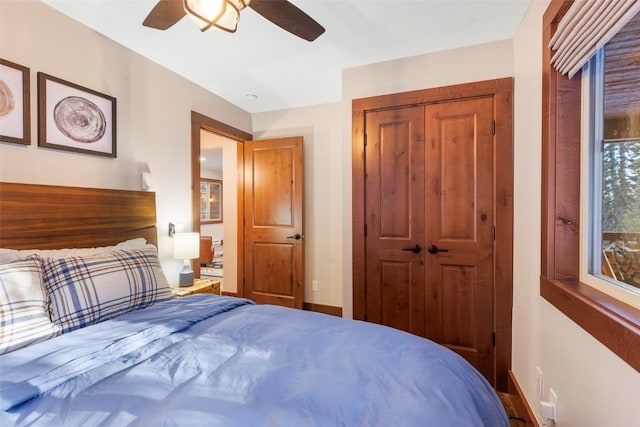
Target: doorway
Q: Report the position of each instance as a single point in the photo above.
(272, 169)
(218, 208)
(203, 126)
(432, 177)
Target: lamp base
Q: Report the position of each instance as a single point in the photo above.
(186, 278)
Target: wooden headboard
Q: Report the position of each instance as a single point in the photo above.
(53, 217)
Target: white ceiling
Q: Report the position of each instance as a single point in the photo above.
(285, 71)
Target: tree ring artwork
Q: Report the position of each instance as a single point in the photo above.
(7, 101)
(75, 118)
(80, 119)
(14, 117)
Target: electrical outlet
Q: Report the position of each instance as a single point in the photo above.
(314, 285)
(539, 382)
(549, 408)
(553, 399)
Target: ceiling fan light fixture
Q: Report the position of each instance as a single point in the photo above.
(221, 14)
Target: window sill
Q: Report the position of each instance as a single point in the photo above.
(613, 323)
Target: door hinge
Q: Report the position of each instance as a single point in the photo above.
(493, 232)
(493, 127)
(493, 339)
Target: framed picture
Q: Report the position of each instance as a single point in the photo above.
(15, 111)
(210, 201)
(74, 118)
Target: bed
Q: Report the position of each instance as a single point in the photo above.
(203, 360)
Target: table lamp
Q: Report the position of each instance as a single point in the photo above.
(186, 246)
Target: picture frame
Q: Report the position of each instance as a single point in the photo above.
(15, 103)
(210, 201)
(75, 118)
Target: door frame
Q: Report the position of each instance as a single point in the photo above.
(502, 92)
(198, 123)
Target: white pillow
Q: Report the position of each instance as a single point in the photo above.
(88, 289)
(24, 315)
(10, 255)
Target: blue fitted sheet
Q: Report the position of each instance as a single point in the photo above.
(207, 360)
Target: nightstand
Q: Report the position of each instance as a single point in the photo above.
(200, 286)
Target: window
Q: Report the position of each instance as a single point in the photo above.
(612, 322)
(210, 201)
(614, 94)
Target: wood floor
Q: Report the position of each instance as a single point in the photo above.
(518, 416)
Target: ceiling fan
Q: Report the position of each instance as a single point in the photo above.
(224, 15)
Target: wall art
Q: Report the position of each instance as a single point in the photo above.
(74, 118)
(15, 123)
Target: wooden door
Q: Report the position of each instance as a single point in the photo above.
(429, 224)
(273, 221)
(394, 217)
(459, 229)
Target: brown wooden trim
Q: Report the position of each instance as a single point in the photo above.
(358, 213)
(36, 216)
(433, 95)
(198, 122)
(502, 91)
(240, 219)
(220, 128)
(321, 308)
(520, 399)
(229, 294)
(615, 324)
(503, 259)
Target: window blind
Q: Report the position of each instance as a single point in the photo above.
(585, 28)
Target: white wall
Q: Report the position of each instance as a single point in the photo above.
(594, 386)
(153, 114)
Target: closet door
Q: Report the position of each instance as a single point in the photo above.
(429, 222)
(459, 220)
(395, 225)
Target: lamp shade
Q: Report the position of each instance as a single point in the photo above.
(186, 245)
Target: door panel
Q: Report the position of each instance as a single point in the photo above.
(429, 187)
(394, 199)
(459, 220)
(273, 229)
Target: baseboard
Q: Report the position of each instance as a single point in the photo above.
(514, 389)
(320, 308)
(309, 306)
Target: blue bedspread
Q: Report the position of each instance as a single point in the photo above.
(219, 361)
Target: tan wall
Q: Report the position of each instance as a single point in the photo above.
(153, 114)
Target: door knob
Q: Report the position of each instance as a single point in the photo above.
(415, 249)
(296, 236)
(433, 249)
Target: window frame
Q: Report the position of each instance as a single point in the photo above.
(612, 322)
(213, 218)
(592, 185)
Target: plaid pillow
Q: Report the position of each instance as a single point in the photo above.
(24, 316)
(88, 290)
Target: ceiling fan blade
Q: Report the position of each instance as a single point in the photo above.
(288, 17)
(165, 14)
